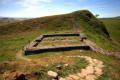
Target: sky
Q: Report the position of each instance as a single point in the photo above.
(40, 8)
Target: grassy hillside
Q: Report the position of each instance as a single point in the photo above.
(113, 27)
(14, 35)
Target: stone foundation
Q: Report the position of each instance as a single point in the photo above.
(32, 49)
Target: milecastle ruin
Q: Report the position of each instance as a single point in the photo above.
(33, 49)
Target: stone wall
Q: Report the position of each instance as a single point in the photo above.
(97, 49)
(66, 34)
(55, 48)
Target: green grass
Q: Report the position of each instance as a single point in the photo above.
(113, 27)
(10, 45)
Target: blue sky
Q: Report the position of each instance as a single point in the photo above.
(39, 8)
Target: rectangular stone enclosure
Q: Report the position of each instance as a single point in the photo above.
(55, 42)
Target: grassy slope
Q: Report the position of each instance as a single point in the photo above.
(113, 26)
(14, 35)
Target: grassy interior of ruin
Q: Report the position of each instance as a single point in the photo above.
(60, 41)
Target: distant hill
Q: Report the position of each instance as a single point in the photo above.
(118, 17)
(8, 19)
(113, 27)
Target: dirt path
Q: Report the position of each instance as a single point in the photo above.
(20, 56)
(91, 72)
(19, 53)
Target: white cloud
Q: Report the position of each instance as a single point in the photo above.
(80, 0)
(42, 12)
(31, 5)
(33, 1)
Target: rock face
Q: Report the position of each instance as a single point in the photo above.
(52, 74)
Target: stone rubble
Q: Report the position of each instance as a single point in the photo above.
(52, 74)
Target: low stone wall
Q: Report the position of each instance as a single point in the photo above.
(97, 49)
(39, 39)
(66, 34)
(32, 49)
(55, 48)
